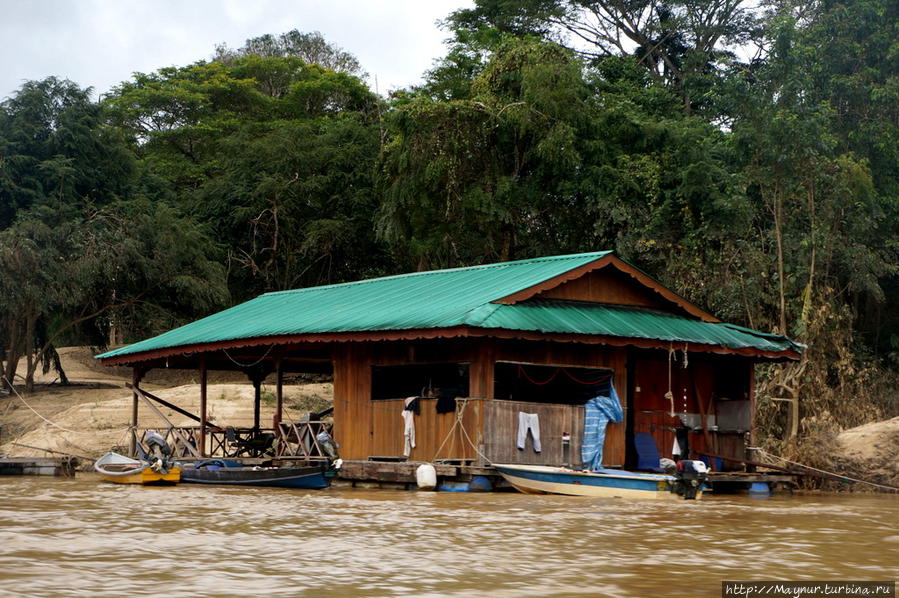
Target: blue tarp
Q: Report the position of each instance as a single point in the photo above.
(599, 411)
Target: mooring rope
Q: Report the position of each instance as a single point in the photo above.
(765, 453)
(458, 422)
(21, 398)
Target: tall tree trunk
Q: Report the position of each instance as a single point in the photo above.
(809, 289)
(13, 352)
(31, 359)
(778, 236)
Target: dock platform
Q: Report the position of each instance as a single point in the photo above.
(46, 466)
(400, 475)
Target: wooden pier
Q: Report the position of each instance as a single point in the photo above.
(400, 475)
(46, 466)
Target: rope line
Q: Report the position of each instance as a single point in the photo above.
(670, 395)
(21, 398)
(830, 473)
(522, 373)
(458, 422)
(248, 365)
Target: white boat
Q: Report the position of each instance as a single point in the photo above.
(607, 483)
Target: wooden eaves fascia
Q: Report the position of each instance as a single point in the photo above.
(619, 264)
(432, 333)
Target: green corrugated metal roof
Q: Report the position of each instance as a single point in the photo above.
(441, 299)
(578, 317)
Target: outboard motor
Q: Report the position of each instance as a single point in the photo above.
(690, 476)
(327, 444)
(158, 451)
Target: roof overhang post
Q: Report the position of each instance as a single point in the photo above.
(256, 377)
(203, 379)
(137, 374)
(279, 393)
(752, 407)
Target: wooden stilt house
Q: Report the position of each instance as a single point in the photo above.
(480, 345)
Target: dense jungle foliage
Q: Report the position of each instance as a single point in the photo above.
(745, 155)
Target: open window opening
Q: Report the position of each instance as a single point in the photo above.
(549, 384)
(419, 380)
(733, 411)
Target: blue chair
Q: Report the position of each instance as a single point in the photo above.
(647, 453)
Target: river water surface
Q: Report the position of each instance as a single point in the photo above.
(82, 537)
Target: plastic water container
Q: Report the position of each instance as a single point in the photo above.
(426, 477)
(759, 488)
(480, 483)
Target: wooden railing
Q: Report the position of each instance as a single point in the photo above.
(290, 441)
(300, 440)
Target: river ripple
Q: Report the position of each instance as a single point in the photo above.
(82, 537)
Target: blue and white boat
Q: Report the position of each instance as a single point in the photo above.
(606, 483)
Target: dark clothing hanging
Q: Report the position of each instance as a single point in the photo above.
(413, 405)
(446, 401)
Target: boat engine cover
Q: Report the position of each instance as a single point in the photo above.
(691, 475)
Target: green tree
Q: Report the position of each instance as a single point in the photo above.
(55, 150)
(483, 178)
(683, 44)
(312, 48)
(86, 232)
(277, 155)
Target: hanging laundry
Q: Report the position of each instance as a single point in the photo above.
(598, 412)
(446, 400)
(408, 415)
(413, 404)
(528, 422)
(681, 447)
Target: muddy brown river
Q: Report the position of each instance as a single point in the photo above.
(82, 537)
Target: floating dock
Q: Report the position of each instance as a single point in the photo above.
(47, 466)
(400, 475)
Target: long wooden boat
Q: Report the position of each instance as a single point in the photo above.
(120, 469)
(606, 483)
(221, 471)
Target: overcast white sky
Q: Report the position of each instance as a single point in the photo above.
(100, 43)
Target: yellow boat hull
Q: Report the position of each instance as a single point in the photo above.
(147, 477)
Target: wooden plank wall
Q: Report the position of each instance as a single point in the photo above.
(432, 430)
(501, 446)
(608, 286)
(501, 423)
(577, 355)
(365, 428)
(352, 400)
(697, 383)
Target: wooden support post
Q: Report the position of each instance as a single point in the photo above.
(203, 378)
(752, 407)
(257, 399)
(279, 394)
(137, 374)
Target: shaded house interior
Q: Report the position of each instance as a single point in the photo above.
(478, 346)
